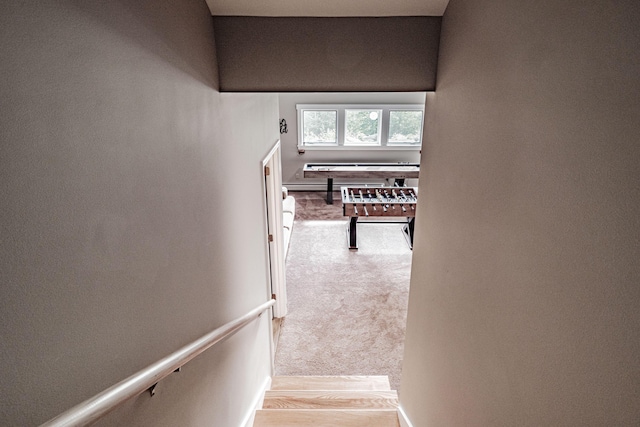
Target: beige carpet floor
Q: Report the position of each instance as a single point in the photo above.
(347, 309)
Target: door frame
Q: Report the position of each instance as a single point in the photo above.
(272, 189)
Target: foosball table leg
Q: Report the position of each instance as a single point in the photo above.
(351, 232)
(329, 191)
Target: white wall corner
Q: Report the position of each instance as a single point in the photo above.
(404, 420)
(256, 404)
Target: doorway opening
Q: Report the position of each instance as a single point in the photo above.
(346, 308)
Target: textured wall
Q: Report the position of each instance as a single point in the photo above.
(524, 294)
(118, 241)
(327, 54)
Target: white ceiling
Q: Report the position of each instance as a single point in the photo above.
(328, 7)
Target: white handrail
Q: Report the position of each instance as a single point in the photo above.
(95, 407)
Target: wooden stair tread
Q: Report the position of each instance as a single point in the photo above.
(326, 418)
(338, 399)
(353, 382)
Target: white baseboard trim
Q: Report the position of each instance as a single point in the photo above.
(256, 404)
(404, 420)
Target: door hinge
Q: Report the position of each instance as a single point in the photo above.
(267, 171)
(271, 237)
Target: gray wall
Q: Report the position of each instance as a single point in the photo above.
(327, 54)
(119, 243)
(525, 283)
(293, 163)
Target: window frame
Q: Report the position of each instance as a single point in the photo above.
(341, 126)
(301, 129)
(378, 142)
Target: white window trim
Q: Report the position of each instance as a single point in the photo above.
(380, 127)
(340, 109)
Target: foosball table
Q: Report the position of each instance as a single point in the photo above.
(398, 171)
(379, 202)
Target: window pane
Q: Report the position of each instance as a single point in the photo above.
(319, 127)
(405, 127)
(362, 127)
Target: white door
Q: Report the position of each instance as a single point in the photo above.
(275, 235)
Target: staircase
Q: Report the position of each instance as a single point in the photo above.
(341, 401)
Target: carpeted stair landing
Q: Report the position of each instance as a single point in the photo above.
(347, 309)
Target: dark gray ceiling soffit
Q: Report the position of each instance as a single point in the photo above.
(292, 54)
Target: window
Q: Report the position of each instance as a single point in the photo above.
(344, 126)
(362, 127)
(405, 127)
(320, 127)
